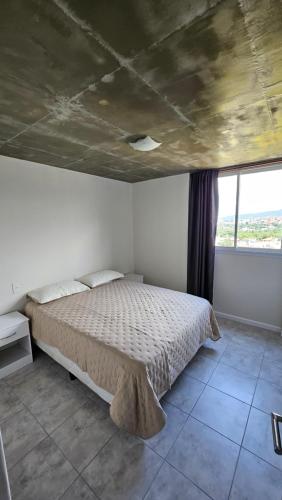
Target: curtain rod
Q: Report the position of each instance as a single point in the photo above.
(259, 165)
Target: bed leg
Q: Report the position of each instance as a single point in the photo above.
(72, 376)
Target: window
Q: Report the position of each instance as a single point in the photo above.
(250, 210)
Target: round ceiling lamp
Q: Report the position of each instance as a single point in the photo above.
(143, 143)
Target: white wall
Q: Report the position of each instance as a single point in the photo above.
(160, 211)
(249, 286)
(56, 224)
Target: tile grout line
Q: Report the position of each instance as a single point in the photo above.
(62, 452)
(241, 446)
(79, 474)
(26, 405)
(155, 476)
(49, 436)
(188, 416)
(218, 432)
(180, 430)
(262, 459)
(68, 488)
(250, 406)
(12, 415)
(25, 454)
(96, 454)
(198, 380)
(189, 479)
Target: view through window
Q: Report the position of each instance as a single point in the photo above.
(250, 210)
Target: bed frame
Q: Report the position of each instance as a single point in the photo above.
(76, 372)
(74, 369)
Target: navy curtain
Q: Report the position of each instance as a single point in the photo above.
(203, 211)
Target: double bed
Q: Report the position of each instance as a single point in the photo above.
(128, 342)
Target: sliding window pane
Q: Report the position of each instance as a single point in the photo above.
(227, 187)
(260, 210)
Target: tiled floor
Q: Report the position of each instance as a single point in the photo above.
(61, 444)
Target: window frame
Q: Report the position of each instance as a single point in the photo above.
(244, 250)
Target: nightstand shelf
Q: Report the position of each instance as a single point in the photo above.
(15, 350)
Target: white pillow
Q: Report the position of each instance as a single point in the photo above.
(100, 277)
(56, 291)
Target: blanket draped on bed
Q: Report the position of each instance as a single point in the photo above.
(133, 340)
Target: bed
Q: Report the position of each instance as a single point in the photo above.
(128, 341)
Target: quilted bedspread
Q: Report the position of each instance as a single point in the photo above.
(132, 339)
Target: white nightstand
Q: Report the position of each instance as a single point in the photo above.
(15, 347)
(134, 277)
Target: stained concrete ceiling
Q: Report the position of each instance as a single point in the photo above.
(78, 77)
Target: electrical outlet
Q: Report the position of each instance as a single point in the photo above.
(16, 288)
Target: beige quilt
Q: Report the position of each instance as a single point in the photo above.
(132, 339)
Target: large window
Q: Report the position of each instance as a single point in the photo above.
(250, 210)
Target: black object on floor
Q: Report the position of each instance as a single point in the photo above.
(275, 419)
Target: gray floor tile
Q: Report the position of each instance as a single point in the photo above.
(205, 457)
(41, 363)
(126, 467)
(171, 485)
(272, 371)
(21, 433)
(185, 393)
(255, 479)
(213, 350)
(273, 351)
(258, 438)
(163, 441)
(79, 490)
(123, 470)
(201, 368)
(242, 359)
(82, 435)
(223, 413)
(227, 327)
(9, 402)
(254, 345)
(268, 397)
(89, 394)
(233, 382)
(43, 474)
(35, 383)
(252, 331)
(56, 404)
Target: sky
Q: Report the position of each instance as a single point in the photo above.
(259, 192)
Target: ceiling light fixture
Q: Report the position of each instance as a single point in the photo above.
(143, 143)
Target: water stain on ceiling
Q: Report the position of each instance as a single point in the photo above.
(203, 77)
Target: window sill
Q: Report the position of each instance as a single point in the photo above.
(251, 252)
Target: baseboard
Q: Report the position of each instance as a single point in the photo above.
(246, 321)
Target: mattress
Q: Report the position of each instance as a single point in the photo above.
(133, 340)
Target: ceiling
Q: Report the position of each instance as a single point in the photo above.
(203, 77)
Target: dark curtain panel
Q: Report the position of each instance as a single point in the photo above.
(203, 211)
